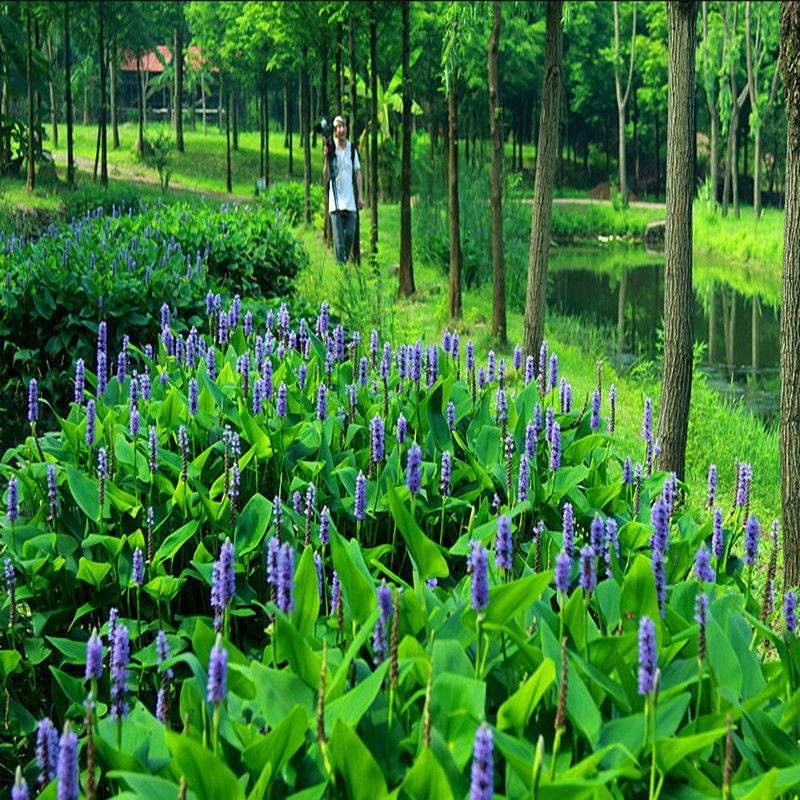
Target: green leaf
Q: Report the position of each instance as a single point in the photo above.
(251, 525)
(671, 751)
(149, 786)
(358, 590)
(306, 594)
(508, 599)
(173, 543)
(354, 762)
(9, 661)
(85, 491)
(426, 780)
(516, 710)
(279, 745)
(164, 587)
(428, 559)
(92, 572)
(209, 777)
(352, 706)
(639, 593)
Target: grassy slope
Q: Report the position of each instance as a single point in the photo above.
(717, 432)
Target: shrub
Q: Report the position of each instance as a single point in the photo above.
(288, 199)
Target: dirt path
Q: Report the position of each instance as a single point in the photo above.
(142, 178)
(589, 201)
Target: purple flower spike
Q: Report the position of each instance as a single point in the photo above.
(91, 422)
(193, 397)
(482, 772)
(588, 579)
(660, 576)
(67, 770)
(752, 532)
(46, 751)
(360, 504)
(377, 439)
(717, 537)
(446, 473)
(594, 420)
(503, 544)
(478, 561)
(402, 427)
(322, 402)
(217, 673)
(325, 525)
(380, 641)
(627, 472)
(12, 512)
(561, 573)
(712, 485)
(790, 612)
(286, 579)
(336, 590)
(702, 565)
(596, 533)
(568, 528)
(659, 517)
(647, 420)
(523, 482)
(414, 469)
(120, 656)
(80, 381)
(33, 401)
(94, 657)
(555, 446)
(19, 791)
(280, 401)
(648, 662)
(138, 567)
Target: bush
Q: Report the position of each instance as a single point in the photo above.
(121, 268)
(288, 199)
(407, 606)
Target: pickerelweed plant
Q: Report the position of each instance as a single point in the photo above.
(274, 582)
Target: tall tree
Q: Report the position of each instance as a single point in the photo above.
(676, 378)
(29, 78)
(112, 76)
(177, 60)
(68, 98)
(622, 97)
(496, 189)
(756, 48)
(406, 275)
(710, 49)
(228, 171)
(730, 18)
(790, 298)
(101, 49)
(305, 116)
(353, 104)
(373, 126)
(51, 63)
(546, 153)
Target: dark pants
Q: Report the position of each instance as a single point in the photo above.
(344, 232)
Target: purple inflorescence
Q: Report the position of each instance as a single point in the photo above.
(380, 642)
(33, 401)
(451, 415)
(596, 533)
(322, 402)
(555, 446)
(503, 544)
(280, 401)
(286, 578)
(702, 565)
(648, 663)
(414, 469)
(402, 428)
(377, 438)
(482, 771)
(217, 673)
(138, 567)
(67, 770)
(46, 751)
(446, 474)
(790, 612)
(627, 472)
(360, 504)
(752, 533)
(523, 482)
(659, 517)
(711, 494)
(80, 381)
(12, 504)
(561, 572)
(94, 657)
(568, 529)
(478, 562)
(120, 656)
(588, 577)
(324, 525)
(594, 419)
(52, 492)
(660, 576)
(717, 536)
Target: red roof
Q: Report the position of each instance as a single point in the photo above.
(151, 63)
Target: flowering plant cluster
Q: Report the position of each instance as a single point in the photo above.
(264, 554)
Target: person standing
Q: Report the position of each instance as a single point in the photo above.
(344, 191)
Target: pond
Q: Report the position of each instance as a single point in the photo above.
(735, 315)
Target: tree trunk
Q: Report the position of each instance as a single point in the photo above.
(228, 172)
(235, 112)
(790, 299)
(219, 105)
(406, 274)
(48, 44)
(29, 78)
(339, 70)
(203, 102)
(713, 113)
(286, 114)
(305, 102)
(755, 313)
(327, 231)
(621, 296)
(68, 99)
(101, 47)
(546, 154)
(455, 231)
(622, 98)
(353, 126)
(373, 150)
(265, 108)
(177, 103)
(496, 186)
(140, 98)
(676, 379)
(112, 64)
(288, 106)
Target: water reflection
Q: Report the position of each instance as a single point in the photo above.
(623, 288)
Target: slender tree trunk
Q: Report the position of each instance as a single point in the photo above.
(228, 171)
(235, 113)
(496, 185)
(289, 123)
(48, 44)
(790, 299)
(29, 78)
(353, 126)
(177, 103)
(406, 275)
(266, 135)
(622, 98)
(222, 88)
(140, 97)
(373, 73)
(676, 380)
(112, 65)
(327, 231)
(68, 99)
(305, 102)
(546, 154)
(339, 70)
(286, 114)
(101, 47)
(713, 112)
(755, 313)
(260, 112)
(621, 296)
(455, 223)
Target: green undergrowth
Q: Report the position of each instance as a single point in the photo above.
(720, 430)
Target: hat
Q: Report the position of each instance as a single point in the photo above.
(339, 119)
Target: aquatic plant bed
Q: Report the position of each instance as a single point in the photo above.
(275, 558)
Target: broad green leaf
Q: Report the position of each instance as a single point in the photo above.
(279, 745)
(251, 524)
(306, 594)
(516, 710)
(207, 776)
(350, 707)
(85, 491)
(92, 572)
(354, 762)
(173, 543)
(426, 780)
(357, 590)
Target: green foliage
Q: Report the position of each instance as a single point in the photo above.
(288, 198)
(158, 153)
(311, 706)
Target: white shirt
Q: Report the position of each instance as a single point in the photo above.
(344, 179)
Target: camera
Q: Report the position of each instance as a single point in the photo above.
(325, 129)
